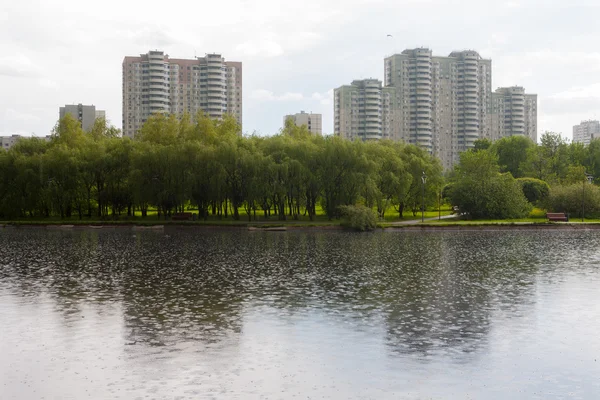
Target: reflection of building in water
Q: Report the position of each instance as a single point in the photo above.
(435, 307)
(447, 294)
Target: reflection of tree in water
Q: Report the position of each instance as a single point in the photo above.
(433, 292)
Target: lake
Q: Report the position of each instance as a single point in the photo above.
(189, 313)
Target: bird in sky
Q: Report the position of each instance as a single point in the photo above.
(389, 35)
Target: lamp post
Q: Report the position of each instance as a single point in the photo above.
(588, 178)
(440, 205)
(423, 180)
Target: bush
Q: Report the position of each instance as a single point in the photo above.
(497, 197)
(537, 213)
(535, 190)
(359, 218)
(568, 199)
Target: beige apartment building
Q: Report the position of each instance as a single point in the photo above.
(155, 83)
(86, 115)
(514, 112)
(586, 131)
(365, 110)
(312, 121)
(443, 102)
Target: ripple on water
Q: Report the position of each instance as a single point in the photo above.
(190, 313)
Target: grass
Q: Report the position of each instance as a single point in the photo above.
(537, 216)
(320, 219)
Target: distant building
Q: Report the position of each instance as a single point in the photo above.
(312, 121)
(443, 103)
(154, 83)
(365, 110)
(6, 142)
(586, 131)
(513, 113)
(9, 141)
(86, 115)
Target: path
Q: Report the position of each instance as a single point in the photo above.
(418, 221)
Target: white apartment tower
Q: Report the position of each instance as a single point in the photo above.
(155, 83)
(365, 110)
(313, 122)
(514, 112)
(586, 131)
(443, 102)
(410, 73)
(86, 115)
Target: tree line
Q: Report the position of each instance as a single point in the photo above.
(505, 179)
(175, 164)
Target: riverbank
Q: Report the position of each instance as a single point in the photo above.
(300, 225)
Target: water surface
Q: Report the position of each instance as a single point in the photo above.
(195, 313)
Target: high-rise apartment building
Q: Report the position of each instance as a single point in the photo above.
(586, 131)
(86, 115)
(312, 121)
(365, 110)
(443, 102)
(155, 83)
(514, 112)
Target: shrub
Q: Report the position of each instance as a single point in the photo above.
(359, 218)
(568, 199)
(535, 190)
(497, 197)
(537, 213)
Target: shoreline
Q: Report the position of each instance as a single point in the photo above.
(296, 226)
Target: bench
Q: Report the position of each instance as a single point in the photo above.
(557, 217)
(186, 216)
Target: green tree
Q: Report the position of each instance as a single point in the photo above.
(535, 190)
(512, 152)
(569, 199)
(481, 191)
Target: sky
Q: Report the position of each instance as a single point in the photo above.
(293, 53)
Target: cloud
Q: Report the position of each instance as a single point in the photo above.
(267, 95)
(19, 66)
(48, 83)
(151, 37)
(13, 115)
(578, 99)
(578, 92)
(264, 47)
(324, 99)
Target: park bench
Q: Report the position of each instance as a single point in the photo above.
(185, 216)
(557, 217)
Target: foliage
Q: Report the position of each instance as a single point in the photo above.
(570, 199)
(481, 191)
(535, 190)
(537, 213)
(174, 164)
(358, 217)
(512, 153)
(482, 144)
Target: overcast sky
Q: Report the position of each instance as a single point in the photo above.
(293, 53)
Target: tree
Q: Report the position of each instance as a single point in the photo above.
(481, 144)
(512, 152)
(569, 199)
(535, 190)
(481, 191)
